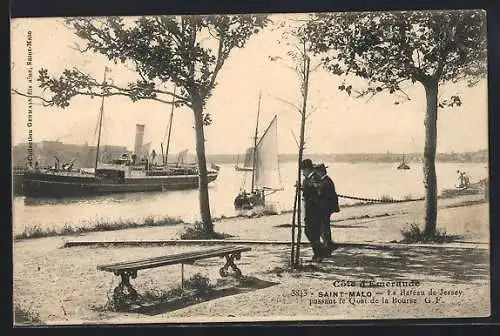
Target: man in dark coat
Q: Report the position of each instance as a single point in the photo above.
(311, 220)
(328, 203)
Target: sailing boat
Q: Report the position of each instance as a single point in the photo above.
(266, 178)
(403, 164)
(248, 163)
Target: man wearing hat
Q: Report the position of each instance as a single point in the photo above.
(311, 220)
(328, 203)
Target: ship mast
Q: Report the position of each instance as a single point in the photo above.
(169, 130)
(100, 123)
(255, 144)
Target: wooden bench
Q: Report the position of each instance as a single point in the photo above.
(127, 270)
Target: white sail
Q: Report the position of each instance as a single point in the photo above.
(267, 166)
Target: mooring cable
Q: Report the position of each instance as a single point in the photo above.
(382, 200)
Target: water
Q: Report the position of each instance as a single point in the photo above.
(367, 180)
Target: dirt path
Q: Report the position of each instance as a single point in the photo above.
(64, 286)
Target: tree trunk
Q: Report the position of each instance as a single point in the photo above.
(206, 217)
(430, 179)
(305, 85)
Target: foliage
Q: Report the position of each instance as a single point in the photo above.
(386, 198)
(184, 51)
(26, 316)
(36, 231)
(408, 197)
(413, 234)
(199, 283)
(187, 51)
(197, 231)
(196, 287)
(387, 49)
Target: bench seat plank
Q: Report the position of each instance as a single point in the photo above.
(171, 259)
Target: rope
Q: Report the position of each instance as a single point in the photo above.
(380, 200)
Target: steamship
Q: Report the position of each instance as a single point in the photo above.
(111, 178)
(128, 173)
(124, 174)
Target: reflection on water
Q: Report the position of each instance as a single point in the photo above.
(97, 199)
(369, 180)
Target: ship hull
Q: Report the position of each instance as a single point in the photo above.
(17, 183)
(53, 185)
(17, 180)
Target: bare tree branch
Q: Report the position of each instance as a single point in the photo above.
(77, 47)
(45, 102)
(275, 59)
(296, 108)
(218, 64)
(128, 91)
(295, 138)
(316, 67)
(370, 97)
(405, 94)
(212, 34)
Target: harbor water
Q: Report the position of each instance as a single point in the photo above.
(366, 180)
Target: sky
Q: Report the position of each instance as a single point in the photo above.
(338, 123)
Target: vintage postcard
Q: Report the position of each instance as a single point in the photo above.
(296, 167)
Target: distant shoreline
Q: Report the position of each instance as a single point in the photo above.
(70, 151)
(480, 156)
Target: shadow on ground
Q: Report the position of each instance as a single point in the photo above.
(224, 288)
(345, 226)
(454, 265)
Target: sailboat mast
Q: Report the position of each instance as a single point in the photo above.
(255, 144)
(162, 154)
(169, 130)
(100, 123)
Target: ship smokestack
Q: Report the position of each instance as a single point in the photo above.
(139, 137)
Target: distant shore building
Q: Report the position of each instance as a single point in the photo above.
(44, 153)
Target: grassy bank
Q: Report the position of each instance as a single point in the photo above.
(99, 225)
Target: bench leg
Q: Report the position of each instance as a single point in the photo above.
(223, 271)
(124, 291)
